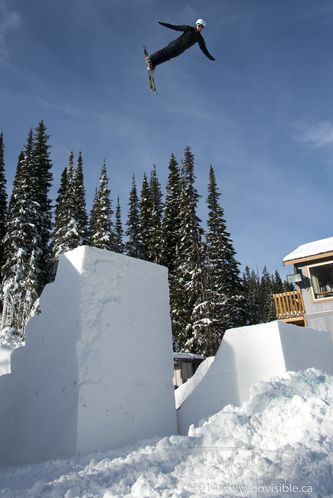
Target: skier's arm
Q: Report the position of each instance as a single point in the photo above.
(203, 47)
(182, 27)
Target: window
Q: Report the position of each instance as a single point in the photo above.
(322, 280)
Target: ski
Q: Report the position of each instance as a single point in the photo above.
(150, 73)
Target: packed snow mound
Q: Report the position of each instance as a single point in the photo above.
(8, 343)
(188, 387)
(252, 354)
(278, 443)
(5, 354)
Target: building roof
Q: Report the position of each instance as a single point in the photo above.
(187, 356)
(311, 250)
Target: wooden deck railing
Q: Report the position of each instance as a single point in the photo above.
(289, 305)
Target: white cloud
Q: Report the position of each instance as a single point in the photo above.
(9, 20)
(317, 135)
(315, 10)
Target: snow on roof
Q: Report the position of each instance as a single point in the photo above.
(187, 356)
(310, 249)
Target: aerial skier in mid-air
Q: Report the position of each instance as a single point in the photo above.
(191, 35)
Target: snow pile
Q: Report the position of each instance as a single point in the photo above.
(188, 387)
(252, 354)
(5, 354)
(8, 344)
(278, 443)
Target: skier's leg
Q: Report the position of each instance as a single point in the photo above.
(157, 58)
(163, 55)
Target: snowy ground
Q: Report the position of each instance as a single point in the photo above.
(280, 443)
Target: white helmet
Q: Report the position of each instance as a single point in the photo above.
(201, 22)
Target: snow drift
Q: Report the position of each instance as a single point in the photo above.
(96, 370)
(246, 356)
(279, 443)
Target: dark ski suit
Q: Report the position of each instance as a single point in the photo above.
(189, 38)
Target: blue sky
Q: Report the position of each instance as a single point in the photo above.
(262, 113)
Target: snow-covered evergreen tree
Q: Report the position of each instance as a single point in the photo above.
(66, 235)
(266, 297)
(101, 229)
(41, 162)
(259, 292)
(277, 284)
(251, 285)
(31, 286)
(119, 245)
(133, 243)
(3, 204)
(145, 219)
(189, 278)
(150, 237)
(225, 305)
(80, 201)
(171, 225)
(92, 218)
(155, 236)
(23, 241)
(59, 212)
(171, 220)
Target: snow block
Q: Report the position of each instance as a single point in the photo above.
(96, 370)
(5, 353)
(248, 355)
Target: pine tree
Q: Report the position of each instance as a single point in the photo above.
(22, 243)
(277, 284)
(145, 219)
(66, 235)
(150, 239)
(119, 245)
(3, 204)
(60, 211)
(225, 304)
(266, 297)
(287, 287)
(189, 278)
(41, 162)
(251, 285)
(93, 214)
(155, 235)
(31, 286)
(59, 217)
(80, 201)
(133, 244)
(259, 292)
(101, 230)
(171, 227)
(172, 216)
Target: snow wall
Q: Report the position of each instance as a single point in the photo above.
(248, 355)
(96, 370)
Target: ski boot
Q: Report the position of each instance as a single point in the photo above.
(150, 66)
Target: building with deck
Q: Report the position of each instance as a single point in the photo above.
(311, 304)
